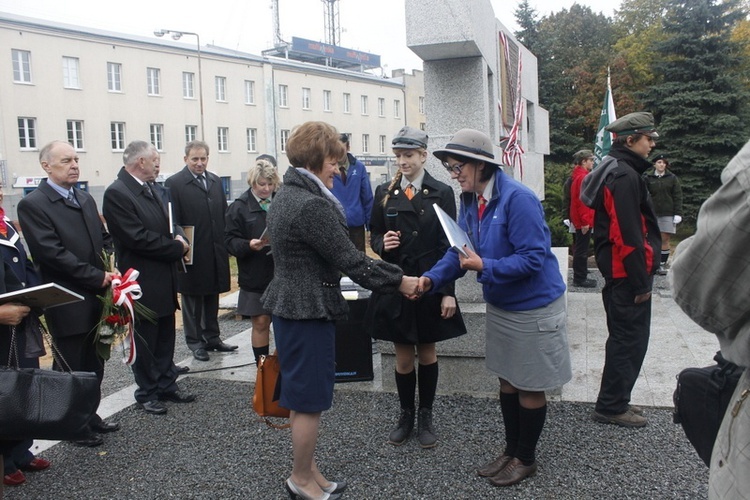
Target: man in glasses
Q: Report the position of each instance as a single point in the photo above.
(627, 242)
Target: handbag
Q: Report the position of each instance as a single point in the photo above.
(46, 404)
(701, 400)
(267, 386)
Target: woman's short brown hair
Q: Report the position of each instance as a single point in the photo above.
(311, 143)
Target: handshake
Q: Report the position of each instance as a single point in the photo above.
(413, 287)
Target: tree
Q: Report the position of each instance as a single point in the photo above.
(526, 17)
(573, 48)
(699, 101)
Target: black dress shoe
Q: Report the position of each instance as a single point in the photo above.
(200, 354)
(585, 283)
(154, 408)
(177, 397)
(182, 370)
(221, 347)
(91, 441)
(104, 427)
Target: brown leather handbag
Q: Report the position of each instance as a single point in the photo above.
(265, 399)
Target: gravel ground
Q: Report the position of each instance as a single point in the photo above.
(217, 448)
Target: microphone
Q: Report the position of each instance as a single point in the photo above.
(391, 219)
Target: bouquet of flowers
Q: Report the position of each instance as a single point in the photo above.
(120, 307)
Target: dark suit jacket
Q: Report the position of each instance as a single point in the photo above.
(66, 243)
(143, 241)
(192, 206)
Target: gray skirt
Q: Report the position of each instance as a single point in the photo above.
(529, 349)
(249, 304)
(666, 224)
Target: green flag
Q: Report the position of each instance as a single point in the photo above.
(604, 138)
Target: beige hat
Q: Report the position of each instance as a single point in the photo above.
(469, 143)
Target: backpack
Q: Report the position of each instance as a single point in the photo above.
(701, 399)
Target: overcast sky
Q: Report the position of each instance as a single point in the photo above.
(246, 25)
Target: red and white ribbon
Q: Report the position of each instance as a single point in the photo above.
(125, 289)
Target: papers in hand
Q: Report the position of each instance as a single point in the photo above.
(457, 237)
(42, 296)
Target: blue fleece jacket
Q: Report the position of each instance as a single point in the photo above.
(520, 272)
(356, 195)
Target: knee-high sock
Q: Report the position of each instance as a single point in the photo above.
(532, 423)
(260, 351)
(428, 377)
(510, 406)
(664, 256)
(406, 383)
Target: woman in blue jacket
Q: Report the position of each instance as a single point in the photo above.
(527, 343)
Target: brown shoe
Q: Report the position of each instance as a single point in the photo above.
(636, 409)
(493, 467)
(627, 419)
(513, 473)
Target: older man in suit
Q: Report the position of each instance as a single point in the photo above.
(144, 241)
(198, 201)
(68, 243)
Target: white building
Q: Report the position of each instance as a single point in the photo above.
(101, 90)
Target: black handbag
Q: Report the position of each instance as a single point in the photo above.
(46, 404)
(701, 400)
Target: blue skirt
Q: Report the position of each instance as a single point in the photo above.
(307, 359)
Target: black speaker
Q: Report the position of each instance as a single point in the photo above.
(354, 345)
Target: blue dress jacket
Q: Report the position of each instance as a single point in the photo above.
(520, 272)
(356, 194)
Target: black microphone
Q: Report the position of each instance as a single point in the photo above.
(391, 219)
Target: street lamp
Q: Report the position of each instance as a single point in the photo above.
(176, 35)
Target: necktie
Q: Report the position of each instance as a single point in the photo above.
(264, 204)
(202, 182)
(3, 225)
(72, 198)
(343, 174)
(409, 191)
(481, 205)
(147, 190)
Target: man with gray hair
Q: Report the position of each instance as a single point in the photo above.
(144, 241)
(67, 241)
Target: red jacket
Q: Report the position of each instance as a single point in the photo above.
(580, 214)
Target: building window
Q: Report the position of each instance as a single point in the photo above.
(365, 143)
(284, 138)
(156, 131)
(382, 144)
(71, 79)
(75, 134)
(396, 108)
(365, 106)
(305, 98)
(27, 133)
(381, 106)
(326, 100)
(117, 133)
(421, 104)
(191, 133)
(252, 140)
(422, 126)
(283, 96)
(188, 85)
(21, 66)
(221, 89)
(347, 103)
(249, 92)
(114, 77)
(152, 77)
(222, 138)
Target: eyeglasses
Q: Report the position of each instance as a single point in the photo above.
(454, 169)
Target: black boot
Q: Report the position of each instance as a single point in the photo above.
(403, 429)
(425, 432)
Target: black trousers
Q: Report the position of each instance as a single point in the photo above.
(581, 255)
(200, 320)
(154, 371)
(629, 326)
